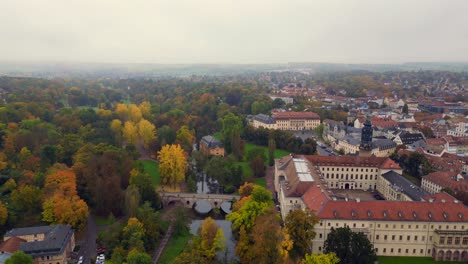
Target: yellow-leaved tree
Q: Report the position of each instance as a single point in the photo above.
(3, 213)
(172, 164)
(212, 238)
(135, 113)
(147, 132)
(130, 133)
(122, 111)
(145, 108)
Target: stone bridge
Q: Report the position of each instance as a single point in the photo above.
(190, 199)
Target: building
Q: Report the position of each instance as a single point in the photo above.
(406, 138)
(409, 223)
(285, 99)
(436, 181)
(461, 130)
(211, 146)
(46, 244)
(333, 130)
(366, 139)
(262, 120)
(296, 120)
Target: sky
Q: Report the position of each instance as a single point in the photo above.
(237, 31)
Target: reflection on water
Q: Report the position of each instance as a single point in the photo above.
(206, 184)
(229, 252)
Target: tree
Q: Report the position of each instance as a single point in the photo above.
(300, 225)
(3, 213)
(259, 202)
(132, 200)
(27, 198)
(185, 137)
(212, 238)
(350, 247)
(136, 257)
(132, 235)
(172, 164)
(329, 258)
(258, 166)
(130, 133)
(232, 126)
(19, 257)
(122, 111)
(134, 113)
(147, 132)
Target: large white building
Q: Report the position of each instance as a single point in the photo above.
(287, 121)
(409, 223)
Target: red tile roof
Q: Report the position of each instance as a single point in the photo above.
(379, 162)
(383, 122)
(315, 198)
(439, 210)
(295, 115)
(11, 245)
(447, 180)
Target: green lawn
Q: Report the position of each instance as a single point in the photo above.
(174, 247)
(260, 181)
(246, 170)
(152, 168)
(412, 260)
(279, 153)
(104, 221)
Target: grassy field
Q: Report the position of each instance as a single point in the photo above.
(412, 260)
(174, 247)
(246, 170)
(104, 221)
(152, 168)
(260, 181)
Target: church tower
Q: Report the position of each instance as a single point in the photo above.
(365, 149)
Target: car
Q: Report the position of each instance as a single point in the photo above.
(80, 260)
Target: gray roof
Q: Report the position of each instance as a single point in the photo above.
(54, 243)
(351, 140)
(264, 119)
(211, 142)
(410, 138)
(405, 186)
(383, 144)
(28, 231)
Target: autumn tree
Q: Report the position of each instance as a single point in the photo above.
(212, 238)
(27, 199)
(185, 137)
(132, 235)
(132, 200)
(116, 128)
(300, 225)
(145, 109)
(130, 133)
(134, 113)
(147, 132)
(122, 111)
(137, 257)
(172, 165)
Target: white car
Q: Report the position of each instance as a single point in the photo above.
(80, 260)
(100, 259)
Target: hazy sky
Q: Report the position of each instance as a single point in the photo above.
(238, 31)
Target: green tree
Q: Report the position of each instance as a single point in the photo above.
(136, 257)
(350, 247)
(19, 257)
(3, 213)
(300, 225)
(232, 126)
(212, 238)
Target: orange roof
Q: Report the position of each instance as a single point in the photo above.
(295, 115)
(315, 198)
(351, 161)
(439, 210)
(447, 180)
(11, 245)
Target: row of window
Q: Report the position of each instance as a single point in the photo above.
(350, 177)
(451, 240)
(394, 226)
(421, 251)
(400, 238)
(352, 169)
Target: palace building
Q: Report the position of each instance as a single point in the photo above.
(410, 222)
(288, 121)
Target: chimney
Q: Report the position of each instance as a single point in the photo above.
(358, 200)
(443, 200)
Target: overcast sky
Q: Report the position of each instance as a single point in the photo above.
(238, 31)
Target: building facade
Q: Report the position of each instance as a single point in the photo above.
(211, 146)
(287, 121)
(409, 223)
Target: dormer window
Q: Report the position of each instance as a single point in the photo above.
(460, 215)
(385, 213)
(335, 213)
(415, 215)
(445, 215)
(369, 213)
(400, 214)
(353, 213)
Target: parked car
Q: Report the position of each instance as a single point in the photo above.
(80, 260)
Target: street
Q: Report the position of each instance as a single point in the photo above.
(88, 247)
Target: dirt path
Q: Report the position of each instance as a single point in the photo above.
(270, 179)
(163, 244)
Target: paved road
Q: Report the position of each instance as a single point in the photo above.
(88, 248)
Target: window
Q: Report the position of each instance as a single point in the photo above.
(385, 237)
(329, 224)
(408, 238)
(414, 251)
(386, 226)
(399, 250)
(406, 250)
(401, 238)
(428, 251)
(465, 241)
(384, 250)
(354, 225)
(391, 250)
(430, 238)
(442, 240)
(415, 238)
(421, 251)
(377, 237)
(393, 237)
(423, 238)
(449, 240)
(320, 248)
(320, 235)
(457, 240)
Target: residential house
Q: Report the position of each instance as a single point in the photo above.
(211, 146)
